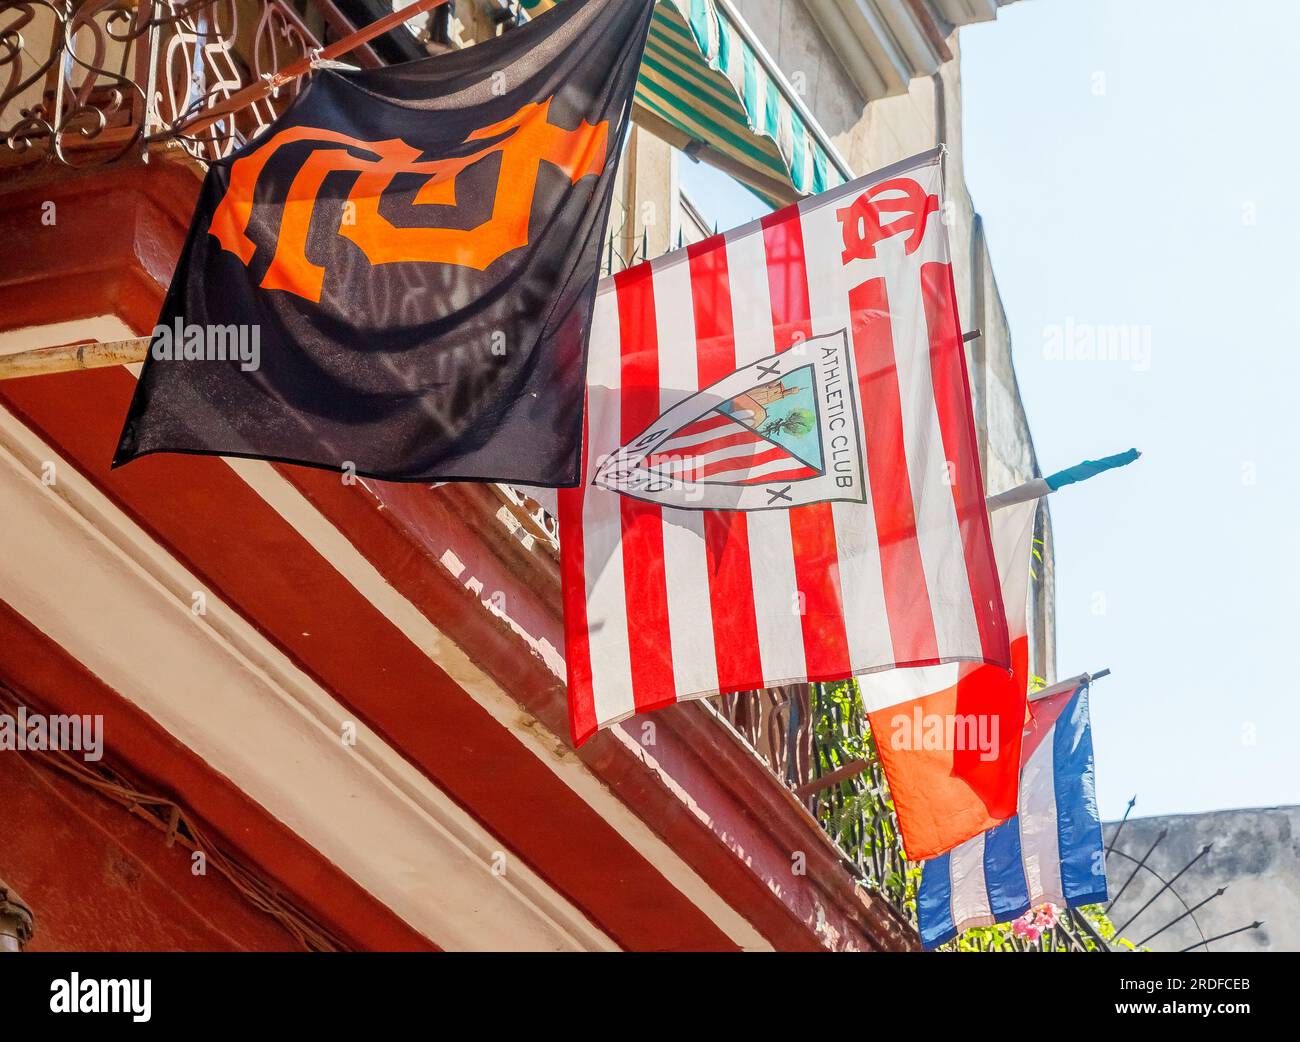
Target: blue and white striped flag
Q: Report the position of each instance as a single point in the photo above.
(1050, 852)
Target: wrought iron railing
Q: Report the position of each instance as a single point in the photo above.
(87, 82)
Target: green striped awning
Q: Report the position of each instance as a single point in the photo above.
(702, 76)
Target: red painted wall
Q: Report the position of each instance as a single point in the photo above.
(99, 879)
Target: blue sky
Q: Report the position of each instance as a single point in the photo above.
(1135, 169)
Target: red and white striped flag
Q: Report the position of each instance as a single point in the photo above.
(781, 479)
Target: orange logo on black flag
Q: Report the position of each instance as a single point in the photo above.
(413, 252)
(525, 140)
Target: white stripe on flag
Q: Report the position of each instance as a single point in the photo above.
(743, 471)
(703, 456)
(611, 668)
(696, 438)
(771, 549)
(690, 616)
(1039, 844)
(942, 557)
(970, 895)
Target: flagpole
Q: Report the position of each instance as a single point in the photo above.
(1036, 488)
(1065, 686)
(40, 361)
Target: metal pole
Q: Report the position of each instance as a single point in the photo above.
(39, 361)
(1115, 838)
(1240, 929)
(1204, 850)
(1217, 893)
(1137, 868)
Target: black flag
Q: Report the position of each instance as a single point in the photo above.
(396, 278)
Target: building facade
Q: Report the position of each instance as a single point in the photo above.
(1223, 880)
(332, 710)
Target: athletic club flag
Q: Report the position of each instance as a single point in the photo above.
(781, 477)
(1051, 852)
(948, 737)
(396, 280)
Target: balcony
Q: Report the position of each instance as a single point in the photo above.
(92, 82)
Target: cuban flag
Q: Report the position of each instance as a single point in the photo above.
(1050, 852)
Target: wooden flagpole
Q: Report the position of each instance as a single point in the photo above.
(67, 357)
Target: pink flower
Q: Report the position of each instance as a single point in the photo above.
(1032, 925)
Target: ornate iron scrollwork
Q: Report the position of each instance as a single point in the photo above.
(89, 83)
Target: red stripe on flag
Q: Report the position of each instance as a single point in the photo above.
(797, 474)
(907, 600)
(787, 277)
(577, 641)
(645, 585)
(961, 450)
(700, 426)
(703, 448)
(743, 462)
(812, 528)
(726, 533)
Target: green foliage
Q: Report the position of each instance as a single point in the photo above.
(796, 422)
(1100, 921)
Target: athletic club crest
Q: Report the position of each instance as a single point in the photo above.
(778, 433)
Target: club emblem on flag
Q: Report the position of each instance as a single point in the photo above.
(781, 432)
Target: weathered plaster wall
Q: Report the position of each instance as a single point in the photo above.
(796, 44)
(99, 879)
(1255, 854)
